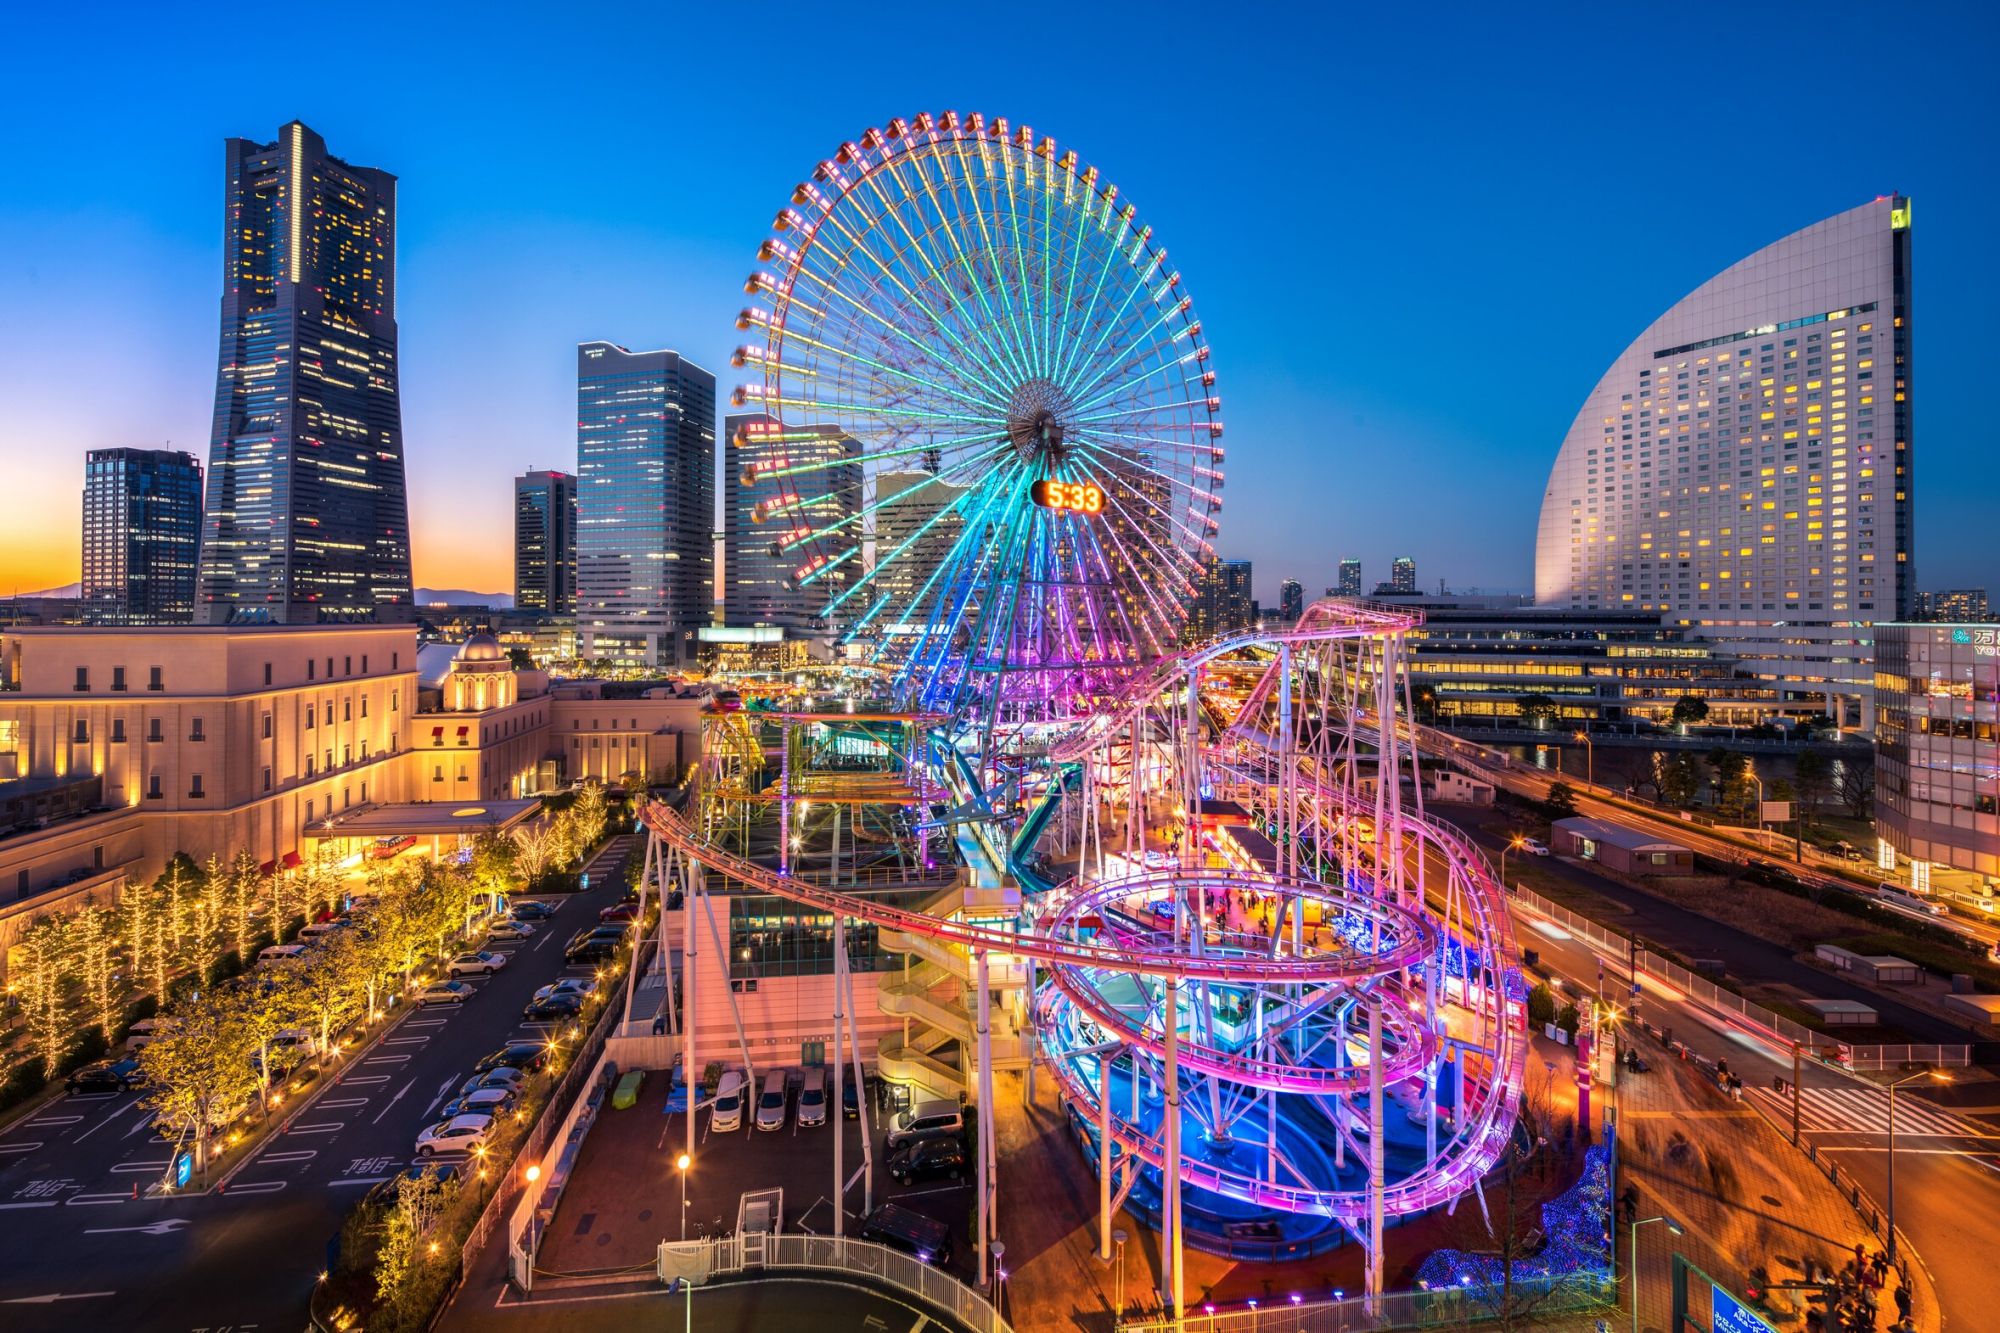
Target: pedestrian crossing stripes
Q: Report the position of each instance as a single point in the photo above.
(1866, 1111)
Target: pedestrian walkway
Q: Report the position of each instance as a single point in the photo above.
(1859, 1110)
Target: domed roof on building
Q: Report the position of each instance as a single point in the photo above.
(481, 648)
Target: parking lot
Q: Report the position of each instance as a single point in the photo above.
(622, 1199)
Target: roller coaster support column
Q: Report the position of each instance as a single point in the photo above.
(984, 1086)
(784, 796)
(1377, 1179)
(1170, 1176)
(838, 1108)
(697, 879)
(1034, 1037)
(1104, 1152)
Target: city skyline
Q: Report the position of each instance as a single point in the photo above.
(661, 264)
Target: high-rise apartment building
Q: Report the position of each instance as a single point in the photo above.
(1744, 468)
(545, 543)
(141, 536)
(1350, 578)
(645, 464)
(1937, 746)
(1402, 575)
(1962, 606)
(1291, 601)
(306, 519)
(1222, 603)
(811, 481)
(913, 540)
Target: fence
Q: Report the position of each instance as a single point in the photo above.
(1531, 1299)
(872, 1264)
(1897, 1057)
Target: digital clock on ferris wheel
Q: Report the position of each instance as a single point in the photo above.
(1076, 497)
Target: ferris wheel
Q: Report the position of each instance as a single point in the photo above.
(985, 438)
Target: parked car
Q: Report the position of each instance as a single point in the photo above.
(528, 1056)
(850, 1101)
(531, 909)
(461, 1133)
(478, 963)
(278, 953)
(144, 1033)
(581, 987)
(923, 1121)
(592, 950)
(725, 1113)
(552, 1008)
(494, 1102)
(444, 992)
(389, 846)
(1533, 847)
(384, 1193)
(812, 1098)
(911, 1232)
(772, 1104)
(620, 912)
(509, 929)
(927, 1158)
(499, 1076)
(105, 1076)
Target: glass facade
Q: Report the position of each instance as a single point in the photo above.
(545, 543)
(1744, 468)
(1937, 743)
(645, 461)
(306, 519)
(141, 536)
(1350, 579)
(755, 568)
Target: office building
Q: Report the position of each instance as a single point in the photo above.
(1744, 468)
(1291, 601)
(1222, 603)
(1954, 606)
(779, 487)
(914, 535)
(306, 520)
(645, 464)
(1402, 575)
(545, 543)
(141, 536)
(1350, 579)
(1937, 746)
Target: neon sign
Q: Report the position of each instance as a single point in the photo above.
(1078, 497)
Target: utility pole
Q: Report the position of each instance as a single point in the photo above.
(1797, 1061)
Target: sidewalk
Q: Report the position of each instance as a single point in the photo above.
(1754, 1209)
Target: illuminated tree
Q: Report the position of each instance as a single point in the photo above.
(319, 881)
(93, 944)
(209, 910)
(331, 982)
(535, 850)
(420, 1202)
(246, 902)
(199, 1067)
(589, 813)
(39, 972)
(270, 1003)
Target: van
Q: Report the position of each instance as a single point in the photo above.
(143, 1033)
(725, 1113)
(279, 952)
(928, 1239)
(812, 1098)
(319, 930)
(922, 1121)
(771, 1105)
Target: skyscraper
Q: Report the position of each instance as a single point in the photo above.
(912, 540)
(1403, 574)
(1222, 603)
(545, 543)
(1744, 467)
(1350, 577)
(1963, 606)
(1291, 601)
(758, 518)
(306, 519)
(141, 536)
(645, 464)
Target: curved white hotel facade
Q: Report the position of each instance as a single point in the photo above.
(1744, 468)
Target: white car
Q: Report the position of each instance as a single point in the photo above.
(444, 992)
(509, 930)
(581, 987)
(461, 1133)
(481, 1101)
(1534, 847)
(725, 1113)
(506, 1076)
(478, 963)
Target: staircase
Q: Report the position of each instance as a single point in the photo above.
(934, 997)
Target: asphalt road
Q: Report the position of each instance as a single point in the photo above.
(82, 1253)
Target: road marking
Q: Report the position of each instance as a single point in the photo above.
(386, 1060)
(166, 1226)
(341, 1103)
(44, 1203)
(258, 1187)
(98, 1198)
(296, 1155)
(407, 1041)
(20, 1147)
(319, 1127)
(423, 1023)
(55, 1296)
(365, 1078)
(135, 1105)
(39, 1121)
(358, 1180)
(126, 1167)
(392, 1102)
(1866, 1111)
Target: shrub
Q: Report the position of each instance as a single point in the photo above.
(1541, 1006)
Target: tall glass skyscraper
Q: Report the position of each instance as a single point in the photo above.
(306, 519)
(757, 520)
(545, 543)
(645, 463)
(141, 536)
(1744, 469)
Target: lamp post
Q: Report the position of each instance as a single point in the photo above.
(1118, 1238)
(681, 1164)
(1513, 844)
(1940, 1076)
(1589, 758)
(1760, 805)
(1632, 1259)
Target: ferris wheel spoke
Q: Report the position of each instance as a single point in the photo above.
(1144, 350)
(761, 474)
(849, 355)
(986, 247)
(1020, 263)
(961, 259)
(857, 310)
(1149, 594)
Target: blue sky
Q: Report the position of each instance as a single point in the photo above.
(1415, 239)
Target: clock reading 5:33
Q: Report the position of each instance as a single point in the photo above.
(1078, 497)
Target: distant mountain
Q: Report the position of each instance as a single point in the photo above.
(464, 597)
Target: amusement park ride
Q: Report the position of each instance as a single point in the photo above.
(1269, 1054)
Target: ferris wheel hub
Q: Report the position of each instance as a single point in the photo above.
(1037, 421)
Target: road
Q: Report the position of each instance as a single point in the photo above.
(84, 1253)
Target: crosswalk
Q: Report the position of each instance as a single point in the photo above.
(1866, 1111)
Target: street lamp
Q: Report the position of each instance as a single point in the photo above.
(1940, 1076)
(1118, 1237)
(1632, 1259)
(1514, 844)
(681, 1164)
(1589, 759)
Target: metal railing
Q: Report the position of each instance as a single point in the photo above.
(1531, 1299)
(853, 1260)
(1869, 1058)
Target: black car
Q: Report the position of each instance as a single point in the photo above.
(529, 1056)
(927, 1158)
(383, 1194)
(531, 911)
(911, 1232)
(591, 951)
(104, 1076)
(552, 1008)
(1777, 876)
(850, 1101)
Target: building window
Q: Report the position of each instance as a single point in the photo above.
(347, 666)
(118, 678)
(83, 678)
(154, 680)
(346, 798)
(117, 731)
(97, 858)
(309, 765)
(395, 661)
(267, 726)
(437, 773)
(346, 756)
(196, 731)
(329, 668)
(153, 729)
(364, 705)
(394, 695)
(267, 673)
(82, 734)
(267, 779)
(309, 668)
(364, 671)
(347, 710)
(364, 786)
(194, 786)
(153, 787)
(309, 717)
(309, 812)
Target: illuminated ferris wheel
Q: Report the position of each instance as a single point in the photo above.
(985, 441)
